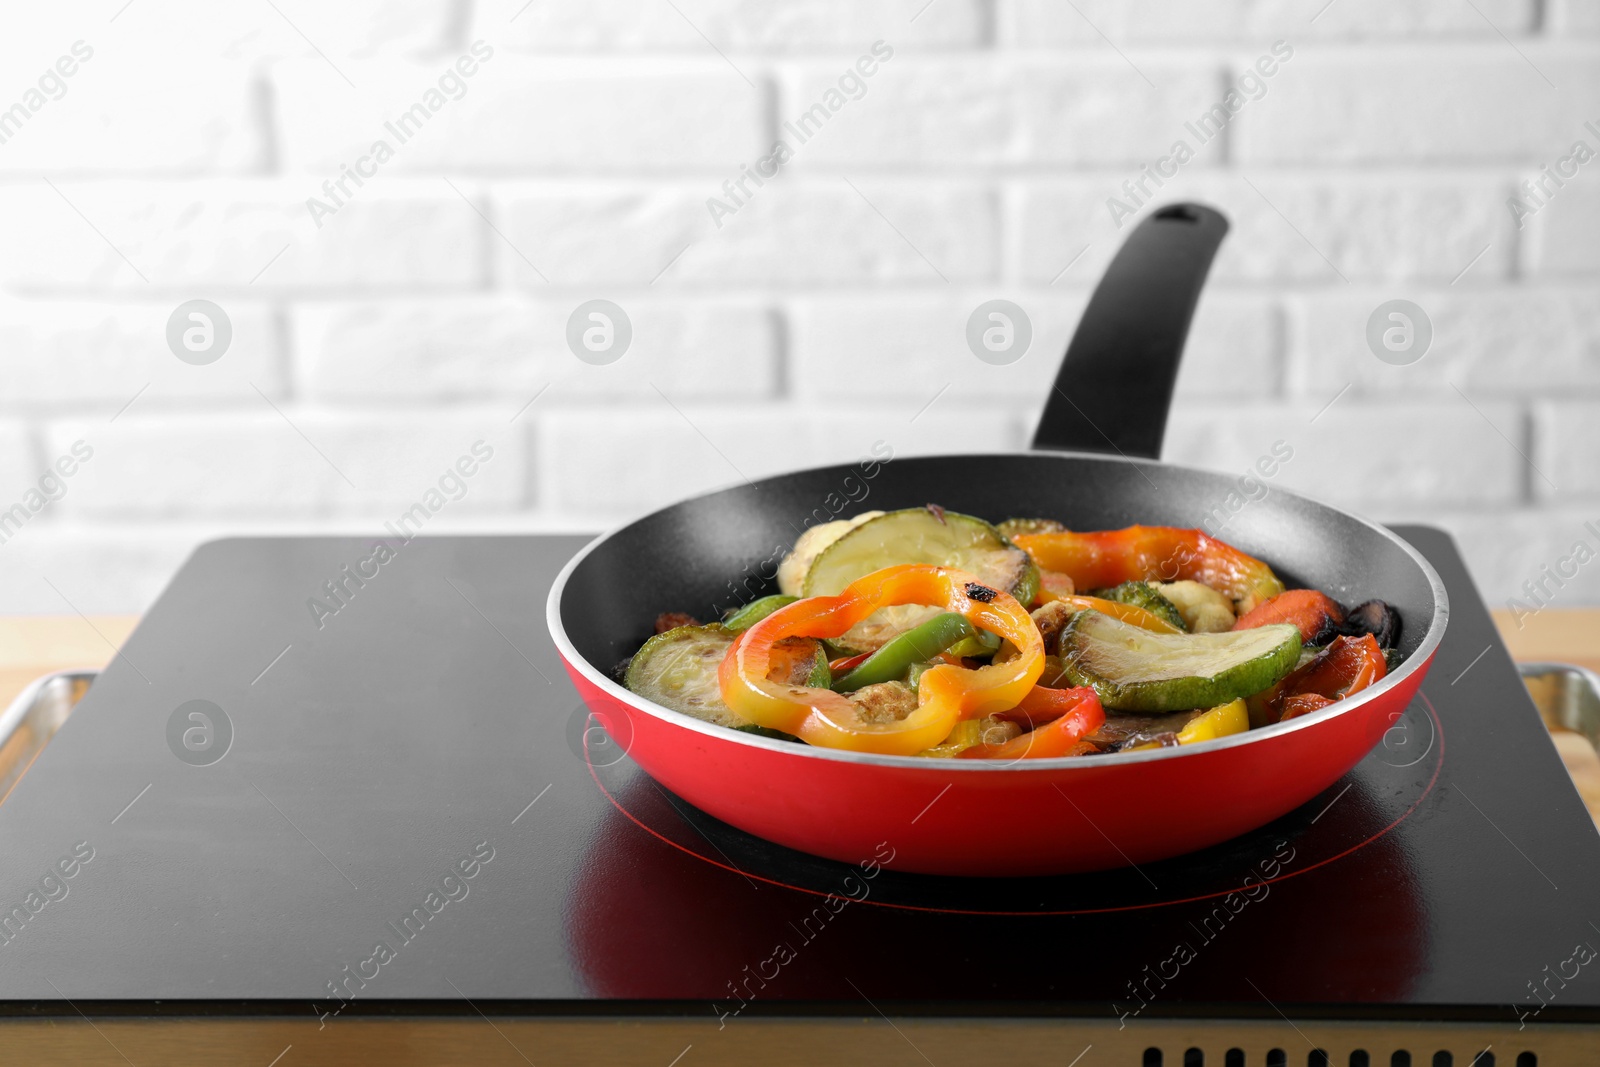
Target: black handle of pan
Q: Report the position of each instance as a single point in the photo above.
(1115, 384)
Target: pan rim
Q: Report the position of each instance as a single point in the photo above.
(576, 661)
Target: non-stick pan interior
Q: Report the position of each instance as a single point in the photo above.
(713, 552)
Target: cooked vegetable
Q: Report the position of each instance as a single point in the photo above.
(884, 702)
(917, 645)
(1317, 615)
(1230, 718)
(924, 613)
(671, 620)
(1153, 553)
(678, 670)
(1056, 610)
(946, 694)
(1123, 730)
(1074, 713)
(1375, 618)
(915, 672)
(979, 646)
(1347, 666)
(792, 569)
(1222, 721)
(1144, 595)
(1013, 527)
(753, 612)
(988, 730)
(1054, 584)
(917, 535)
(1137, 670)
(1204, 610)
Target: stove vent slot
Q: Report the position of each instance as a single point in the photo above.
(1235, 1057)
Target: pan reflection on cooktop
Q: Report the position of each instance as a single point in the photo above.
(673, 902)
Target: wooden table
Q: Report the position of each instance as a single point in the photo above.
(34, 645)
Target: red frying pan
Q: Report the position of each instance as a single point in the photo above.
(1094, 466)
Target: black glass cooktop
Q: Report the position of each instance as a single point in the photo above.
(392, 800)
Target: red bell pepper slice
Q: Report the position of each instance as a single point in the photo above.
(1152, 554)
(1347, 666)
(1069, 715)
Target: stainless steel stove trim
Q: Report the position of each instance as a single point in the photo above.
(1568, 696)
(33, 718)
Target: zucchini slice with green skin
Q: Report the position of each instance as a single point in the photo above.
(1144, 595)
(678, 670)
(1138, 670)
(917, 535)
(1015, 527)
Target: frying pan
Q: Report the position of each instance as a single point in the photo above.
(1093, 466)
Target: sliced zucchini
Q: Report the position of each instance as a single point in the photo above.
(678, 670)
(1144, 595)
(792, 570)
(1017, 527)
(917, 535)
(1308, 653)
(1137, 670)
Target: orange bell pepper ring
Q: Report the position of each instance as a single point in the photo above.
(946, 694)
(1153, 554)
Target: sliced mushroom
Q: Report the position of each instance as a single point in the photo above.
(1376, 618)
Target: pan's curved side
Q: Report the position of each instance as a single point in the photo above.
(1071, 816)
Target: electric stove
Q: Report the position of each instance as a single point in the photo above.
(334, 810)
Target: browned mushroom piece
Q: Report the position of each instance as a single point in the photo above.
(1376, 618)
(884, 701)
(671, 620)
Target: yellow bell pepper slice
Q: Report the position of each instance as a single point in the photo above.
(1229, 718)
(946, 694)
(1222, 720)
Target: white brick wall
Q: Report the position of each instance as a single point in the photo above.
(426, 309)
